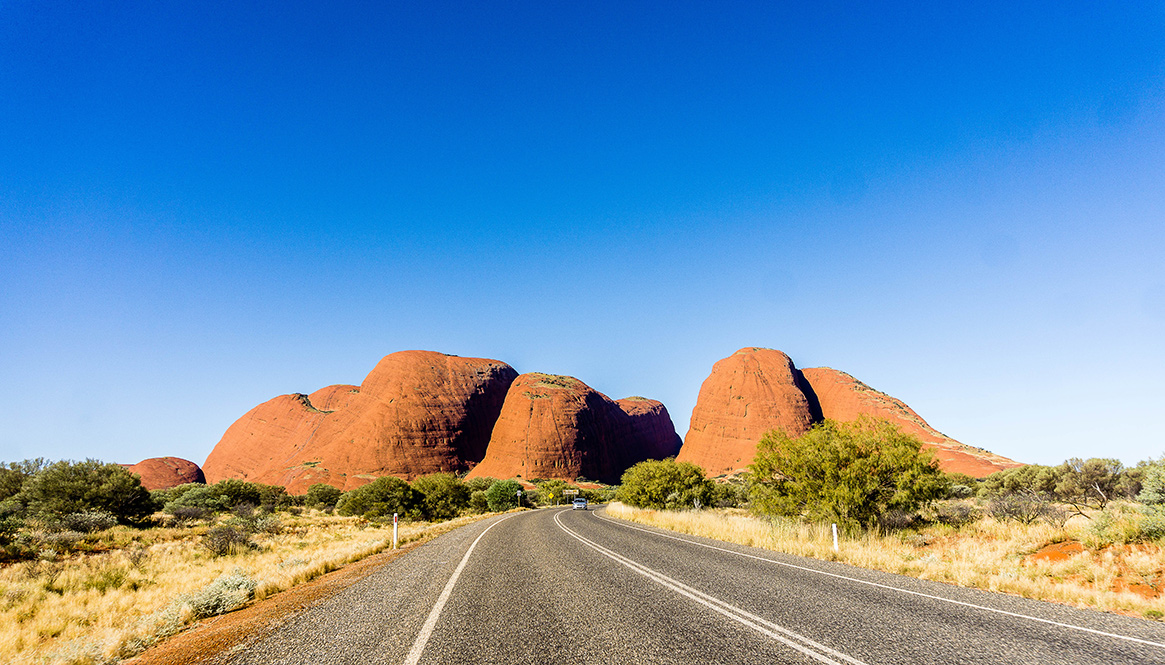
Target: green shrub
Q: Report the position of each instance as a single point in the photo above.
(478, 502)
(444, 495)
(1152, 482)
(1153, 523)
(69, 487)
(382, 497)
(163, 497)
(230, 591)
(851, 473)
(503, 495)
(203, 497)
(322, 495)
(483, 484)
(665, 484)
(1117, 524)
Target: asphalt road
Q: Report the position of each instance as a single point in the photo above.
(562, 586)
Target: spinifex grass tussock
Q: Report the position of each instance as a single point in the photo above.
(104, 606)
(985, 554)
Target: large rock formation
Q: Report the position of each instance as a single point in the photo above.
(757, 390)
(651, 428)
(159, 473)
(747, 394)
(416, 412)
(558, 427)
(842, 397)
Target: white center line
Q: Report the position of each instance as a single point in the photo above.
(884, 586)
(809, 647)
(431, 622)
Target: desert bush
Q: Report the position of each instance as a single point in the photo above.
(162, 497)
(955, 513)
(844, 472)
(69, 487)
(322, 495)
(1152, 482)
(269, 524)
(729, 495)
(224, 540)
(1117, 524)
(229, 592)
(203, 497)
(186, 514)
(89, 521)
(896, 520)
(478, 502)
(444, 495)
(665, 484)
(382, 497)
(503, 495)
(60, 542)
(480, 484)
(1022, 507)
(1153, 524)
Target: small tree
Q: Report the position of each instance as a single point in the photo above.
(665, 484)
(1090, 482)
(381, 497)
(322, 495)
(848, 472)
(69, 487)
(445, 496)
(503, 495)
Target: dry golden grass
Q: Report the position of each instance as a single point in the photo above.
(98, 608)
(985, 554)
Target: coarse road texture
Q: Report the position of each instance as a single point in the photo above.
(563, 586)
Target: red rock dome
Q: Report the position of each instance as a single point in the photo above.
(416, 412)
(159, 473)
(747, 394)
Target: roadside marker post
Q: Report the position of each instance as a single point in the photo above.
(835, 537)
(394, 541)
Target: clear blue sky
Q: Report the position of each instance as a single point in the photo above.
(204, 205)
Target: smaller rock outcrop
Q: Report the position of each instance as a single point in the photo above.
(651, 428)
(747, 394)
(555, 426)
(160, 473)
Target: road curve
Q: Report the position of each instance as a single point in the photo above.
(568, 586)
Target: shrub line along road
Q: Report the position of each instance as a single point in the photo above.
(575, 587)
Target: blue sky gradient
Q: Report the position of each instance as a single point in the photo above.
(206, 206)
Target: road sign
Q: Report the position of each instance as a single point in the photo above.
(569, 492)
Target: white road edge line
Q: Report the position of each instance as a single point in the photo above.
(885, 586)
(431, 622)
(748, 619)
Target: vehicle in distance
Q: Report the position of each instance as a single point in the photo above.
(579, 504)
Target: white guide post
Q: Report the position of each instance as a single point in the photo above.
(835, 537)
(394, 540)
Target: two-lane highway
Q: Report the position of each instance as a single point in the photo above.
(577, 587)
